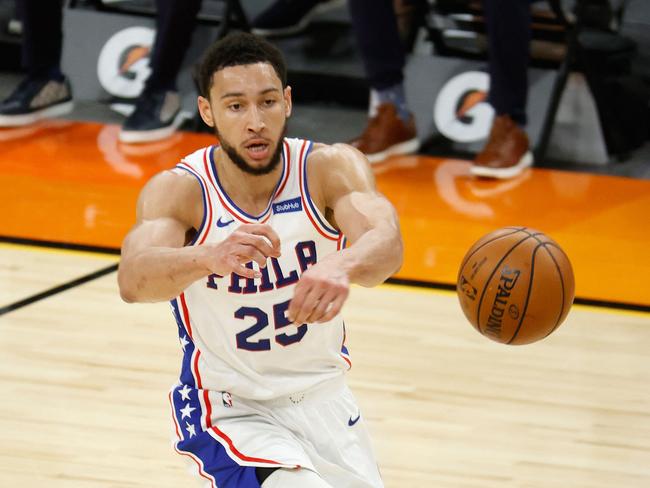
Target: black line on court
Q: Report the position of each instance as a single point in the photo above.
(59, 245)
(436, 285)
(421, 284)
(58, 289)
(633, 307)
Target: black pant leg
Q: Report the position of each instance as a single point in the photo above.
(375, 28)
(509, 33)
(42, 35)
(175, 22)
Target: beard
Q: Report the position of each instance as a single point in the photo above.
(241, 163)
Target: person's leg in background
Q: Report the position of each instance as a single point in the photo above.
(45, 92)
(290, 17)
(42, 37)
(157, 113)
(507, 153)
(391, 127)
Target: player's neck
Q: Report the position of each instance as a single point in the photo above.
(249, 192)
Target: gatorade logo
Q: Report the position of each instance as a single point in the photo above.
(461, 112)
(123, 64)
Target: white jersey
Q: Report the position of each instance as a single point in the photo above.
(234, 331)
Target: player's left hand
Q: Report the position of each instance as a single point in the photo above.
(320, 294)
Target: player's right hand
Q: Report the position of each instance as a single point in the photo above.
(249, 242)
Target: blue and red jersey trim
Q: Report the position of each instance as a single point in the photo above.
(227, 202)
(220, 462)
(206, 223)
(314, 215)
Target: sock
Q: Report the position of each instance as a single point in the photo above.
(393, 95)
(56, 74)
(51, 73)
(157, 85)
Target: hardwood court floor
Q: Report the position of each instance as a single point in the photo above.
(84, 377)
(84, 381)
(74, 182)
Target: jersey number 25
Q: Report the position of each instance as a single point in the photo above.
(280, 320)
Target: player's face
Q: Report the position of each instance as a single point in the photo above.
(248, 109)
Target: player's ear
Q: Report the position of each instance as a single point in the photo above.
(287, 101)
(205, 111)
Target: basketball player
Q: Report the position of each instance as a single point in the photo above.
(247, 241)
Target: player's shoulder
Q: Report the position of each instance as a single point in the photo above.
(197, 158)
(338, 157)
(172, 193)
(184, 177)
(335, 170)
(171, 188)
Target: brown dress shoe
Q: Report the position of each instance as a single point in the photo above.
(506, 153)
(386, 135)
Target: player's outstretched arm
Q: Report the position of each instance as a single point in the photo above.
(156, 265)
(353, 205)
(343, 187)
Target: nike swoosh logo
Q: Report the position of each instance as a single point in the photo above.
(352, 421)
(221, 223)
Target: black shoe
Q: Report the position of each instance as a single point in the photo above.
(288, 17)
(35, 99)
(157, 115)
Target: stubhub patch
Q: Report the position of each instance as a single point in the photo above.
(293, 205)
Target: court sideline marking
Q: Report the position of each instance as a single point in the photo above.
(58, 289)
(402, 282)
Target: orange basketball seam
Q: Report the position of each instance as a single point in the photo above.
(467, 258)
(559, 272)
(494, 269)
(542, 282)
(530, 287)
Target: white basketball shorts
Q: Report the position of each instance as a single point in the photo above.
(320, 429)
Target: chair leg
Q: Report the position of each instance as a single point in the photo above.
(558, 88)
(569, 62)
(551, 111)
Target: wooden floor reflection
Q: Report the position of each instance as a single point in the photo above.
(84, 376)
(84, 380)
(75, 182)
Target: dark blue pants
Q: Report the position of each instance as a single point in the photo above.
(375, 28)
(509, 32)
(175, 22)
(43, 38)
(508, 26)
(42, 35)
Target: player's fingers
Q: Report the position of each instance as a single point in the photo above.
(258, 242)
(246, 253)
(321, 307)
(245, 272)
(268, 232)
(299, 294)
(311, 301)
(334, 308)
(239, 268)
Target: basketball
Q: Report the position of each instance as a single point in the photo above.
(515, 285)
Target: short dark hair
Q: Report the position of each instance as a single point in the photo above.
(238, 49)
